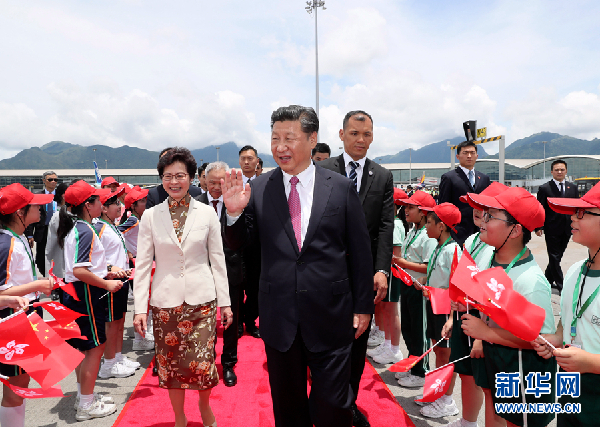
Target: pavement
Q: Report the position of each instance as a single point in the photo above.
(59, 412)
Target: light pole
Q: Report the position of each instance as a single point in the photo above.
(314, 5)
(106, 163)
(94, 153)
(218, 153)
(544, 163)
(410, 166)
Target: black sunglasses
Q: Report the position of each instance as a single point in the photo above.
(52, 179)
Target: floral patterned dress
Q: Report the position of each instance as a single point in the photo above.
(185, 335)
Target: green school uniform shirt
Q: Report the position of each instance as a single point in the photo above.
(399, 232)
(440, 275)
(480, 252)
(417, 250)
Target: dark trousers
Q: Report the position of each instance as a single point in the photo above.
(40, 252)
(358, 359)
(230, 335)
(249, 307)
(411, 319)
(330, 394)
(556, 246)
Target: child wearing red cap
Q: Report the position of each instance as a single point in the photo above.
(115, 363)
(416, 251)
(440, 219)
(19, 208)
(508, 221)
(577, 338)
(92, 276)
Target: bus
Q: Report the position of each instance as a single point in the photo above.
(585, 184)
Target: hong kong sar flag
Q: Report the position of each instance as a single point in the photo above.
(399, 273)
(437, 383)
(18, 343)
(34, 393)
(63, 315)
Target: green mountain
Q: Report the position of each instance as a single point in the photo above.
(532, 147)
(437, 152)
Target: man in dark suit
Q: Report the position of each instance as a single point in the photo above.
(375, 186)
(233, 259)
(38, 232)
(158, 194)
(315, 290)
(460, 181)
(557, 227)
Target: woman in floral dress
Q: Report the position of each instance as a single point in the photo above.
(183, 236)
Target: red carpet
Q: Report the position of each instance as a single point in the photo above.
(248, 404)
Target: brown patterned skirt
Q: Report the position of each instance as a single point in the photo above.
(185, 346)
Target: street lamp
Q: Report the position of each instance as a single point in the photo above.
(410, 165)
(94, 153)
(218, 153)
(106, 163)
(314, 5)
(544, 164)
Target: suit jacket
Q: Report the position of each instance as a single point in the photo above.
(455, 184)
(233, 259)
(376, 196)
(315, 290)
(38, 229)
(556, 224)
(158, 194)
(192, 271)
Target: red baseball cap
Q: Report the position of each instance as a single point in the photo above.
(516, 201)
(492, 190)
(419, 198)
(127, 188)
(591, 199)
(135, 194)
(447, 213)
(80, 191)
(14, 197)
(109, 180)
(117, 193)
(399, 194)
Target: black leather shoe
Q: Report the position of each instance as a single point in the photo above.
(358, 418)
(240, 331)
(155, 370)
(253, 331)
(229, 377)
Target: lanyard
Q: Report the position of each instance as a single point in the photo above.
(576, 301)
(512, 263)
(479, 247)
(26, 250)
(413, 239)
(431, 265)
(117, 232)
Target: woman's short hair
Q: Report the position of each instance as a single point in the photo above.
(178, 154)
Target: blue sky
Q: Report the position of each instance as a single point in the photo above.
(154, 74)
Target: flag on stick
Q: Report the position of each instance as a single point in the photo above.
(439, 298)
(19, 345)
(63, 315)
(60, 283)
(437, 383)
(34, 393)
(401, 274)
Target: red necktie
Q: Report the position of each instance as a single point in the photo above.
(295, 212)
(215, 203)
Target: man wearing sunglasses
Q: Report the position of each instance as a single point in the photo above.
(557, 227)
(38, 232)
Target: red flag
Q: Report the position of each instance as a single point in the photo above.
(439, 298)
(66, 332)
(18, 343)
(61, 314)
(59, 283)
(405, 365)
(34, 393)
(454, 262)
(463, 279)
(399, 273)
(60, 362)
(437, 383)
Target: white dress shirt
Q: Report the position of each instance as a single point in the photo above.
(359, 169)
(305, 187)
(466, 171)
(246, 179)
(219, 205)
(563, 182)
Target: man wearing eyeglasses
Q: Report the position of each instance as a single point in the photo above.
(38, 232)
(557, 227)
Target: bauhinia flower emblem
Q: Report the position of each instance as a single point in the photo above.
(11, 349)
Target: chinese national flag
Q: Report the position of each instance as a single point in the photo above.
(18, 343)
(66, 332)
(437, 383)
(61, 314)
(60, 283)
(454, 262)
(399, 273)
(60, 362)
(440, 299)
(34, 393)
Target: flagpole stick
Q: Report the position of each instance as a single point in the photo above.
(450, 363)
(4, 378)
(547, 342)
(467, 313)
(12, 315)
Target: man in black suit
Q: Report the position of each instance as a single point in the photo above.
(315, 291)
(38, 232)
(233, 259)
(460, 181)
(375, 186)
(158, 194)
(557, 227)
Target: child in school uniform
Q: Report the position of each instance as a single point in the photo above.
(416, 251)
(440, 219)
(508, 220)
(92, 277)
(460, 344)
(19, 285)
(577, 338)
(115, 363)
(389, 350)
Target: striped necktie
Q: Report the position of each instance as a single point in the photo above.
(353, 176)
(295, 211)
(472, 178)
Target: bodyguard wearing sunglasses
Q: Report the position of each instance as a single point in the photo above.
(557, 227)
(38, 231)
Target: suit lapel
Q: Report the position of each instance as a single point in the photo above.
(340, 164)
(275, 191)
(555, 189)
(192, 213)
(464, 177)
(165, 220)
(366, 180)
(321, 193)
